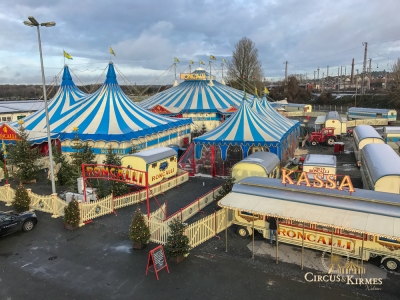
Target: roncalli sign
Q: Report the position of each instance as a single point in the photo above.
(117, 173)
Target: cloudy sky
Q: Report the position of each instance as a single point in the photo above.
(146, 35)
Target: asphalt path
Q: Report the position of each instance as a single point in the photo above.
(98, 262)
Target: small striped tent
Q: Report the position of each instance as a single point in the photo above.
(245, 132)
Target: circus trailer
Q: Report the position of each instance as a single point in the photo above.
(362, 136)
(319, 164)
(262, 164)
(391, 136)
(333, 219)
(334, 120)
(380, 168)
(160, 163)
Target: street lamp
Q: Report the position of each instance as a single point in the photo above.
(33, 23)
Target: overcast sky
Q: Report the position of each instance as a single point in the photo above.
(146, 35)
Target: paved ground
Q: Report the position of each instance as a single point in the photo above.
(97, 262)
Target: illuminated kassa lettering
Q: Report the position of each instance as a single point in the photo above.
(319, 182)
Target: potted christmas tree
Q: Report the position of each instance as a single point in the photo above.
(177, 247)
(72, 215)
(21, 200)
(139, 232)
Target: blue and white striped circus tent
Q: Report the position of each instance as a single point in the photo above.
(108, 116)
(199, 97)
(66, 97)
(264, 108)
(245, 132)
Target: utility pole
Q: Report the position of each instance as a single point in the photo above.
(370, 74)
(314, 78)
(352, 72)
(56, 79)
(364, 67)
(327, 71)
(286, 81)
(319, 83)
(338, 81)
(322, 84)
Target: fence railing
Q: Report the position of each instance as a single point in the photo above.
(94, 209)
(197, 232)
(196, 206)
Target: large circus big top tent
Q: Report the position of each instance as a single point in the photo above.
(199, 97)
(107, 117)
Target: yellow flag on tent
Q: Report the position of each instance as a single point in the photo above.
(67, 55)
(266, 91)
(176, 60)
(212, 57)
(223, 60)
(3, 147)
(201, 62)
(112, 51)
(191, 62)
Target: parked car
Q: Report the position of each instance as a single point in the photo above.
(11, 222)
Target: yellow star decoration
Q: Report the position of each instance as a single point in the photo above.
(75, 129)
(20, 122)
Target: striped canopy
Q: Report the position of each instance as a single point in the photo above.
(66, 97)
(244, 127)
(109, 115)
(277, 116)
(193, 96)
(275, 124)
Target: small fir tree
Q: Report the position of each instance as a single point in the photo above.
(177, 242)
(66, 174)
(72, 213)
(226, 188)
(22, 156)
(139, 232)
(117, 187)
(83, 155)
(133, 150)
(21, 200)
(203, 129)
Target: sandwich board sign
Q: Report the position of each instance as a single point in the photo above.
(157, 259)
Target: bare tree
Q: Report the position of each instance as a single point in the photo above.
(245, 65)
(394, 87)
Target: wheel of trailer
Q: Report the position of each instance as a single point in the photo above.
(330, 141)
(242, 231)
(391, 264)
(314, 143)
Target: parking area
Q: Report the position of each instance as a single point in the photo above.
(98, 262)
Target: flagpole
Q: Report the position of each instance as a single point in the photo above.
(210, 70)
(190, 68)
(4, 158)
(175, 70)
(222, 65)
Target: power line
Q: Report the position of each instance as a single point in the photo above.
(327, 55)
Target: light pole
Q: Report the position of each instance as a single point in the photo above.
(33, 23)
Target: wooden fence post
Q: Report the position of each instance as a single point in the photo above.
(8, 195)
(29, 191)
(54, 202)
(80, 213)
